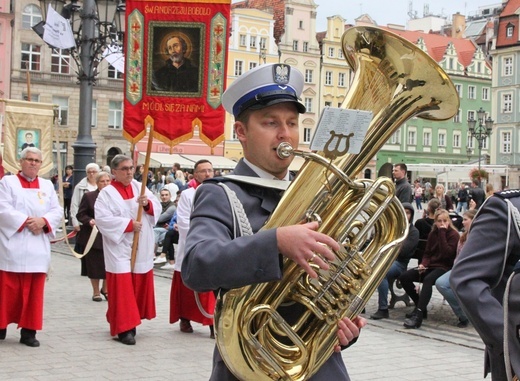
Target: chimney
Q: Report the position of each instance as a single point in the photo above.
(458, 25)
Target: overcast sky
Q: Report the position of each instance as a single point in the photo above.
(392, 11)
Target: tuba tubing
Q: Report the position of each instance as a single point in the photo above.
(396, 81)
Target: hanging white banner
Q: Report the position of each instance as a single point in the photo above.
(57, 31)
(114, 56)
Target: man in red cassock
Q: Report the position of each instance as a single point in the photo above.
(131, 291)
(185, 305)
(29, 216)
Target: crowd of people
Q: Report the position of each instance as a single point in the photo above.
(203, 225)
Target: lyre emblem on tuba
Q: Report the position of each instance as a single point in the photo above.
(396, 81)
(340, 139)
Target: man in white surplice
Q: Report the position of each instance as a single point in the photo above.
(131, 292)
(29, 216)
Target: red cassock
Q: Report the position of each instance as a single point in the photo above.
(183, 303)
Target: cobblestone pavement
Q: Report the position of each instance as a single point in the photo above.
(76, 344)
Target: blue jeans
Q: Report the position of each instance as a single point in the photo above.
(462, 205)
(443, 286)
(395, 270)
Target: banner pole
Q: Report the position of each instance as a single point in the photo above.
(149, 124)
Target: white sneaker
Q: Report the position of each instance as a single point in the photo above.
(167, 266)
(159, 260)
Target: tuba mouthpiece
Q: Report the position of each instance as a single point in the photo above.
(284, 150)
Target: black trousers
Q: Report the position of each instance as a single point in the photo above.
(171, 237)
(428, 278)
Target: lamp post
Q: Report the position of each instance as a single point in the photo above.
(96, 25)
(481, 131)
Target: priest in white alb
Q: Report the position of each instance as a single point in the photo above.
(131, 290)
(29, 216)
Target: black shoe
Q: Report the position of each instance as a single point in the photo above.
(379, 314)
(410, 314)
(415, 321)
(28, 337)
(126, 338)
(462, 323)
(3, 333)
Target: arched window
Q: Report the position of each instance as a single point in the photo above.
(368, 173)
(31, 15)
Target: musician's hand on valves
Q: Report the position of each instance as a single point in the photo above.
(137, 226)
(303, 244)
(143, 200)
(348, 330)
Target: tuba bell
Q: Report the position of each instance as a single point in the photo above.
(396, 81)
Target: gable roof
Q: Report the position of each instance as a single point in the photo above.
(436, 44)
(509, 16)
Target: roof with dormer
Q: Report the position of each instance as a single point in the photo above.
(509, 18)
(437, 44)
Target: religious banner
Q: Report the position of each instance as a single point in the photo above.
(27, 124)
(175, 59)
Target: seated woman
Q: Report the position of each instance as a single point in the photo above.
(443, 283)
(438, 258)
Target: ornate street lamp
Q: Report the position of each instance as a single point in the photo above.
(96, 25)
(481, 131)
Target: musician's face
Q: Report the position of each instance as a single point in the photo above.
(264, 131)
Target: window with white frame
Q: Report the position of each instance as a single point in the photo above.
(328, 103)
(252, 65)
(459, 89)
(331, 52)
(115, 114)
(341, 79)
(308, 104)
(471, 115)
(510, 29)
(412, 137)
(63, 109)
(31, 15)
(243, 40)
(485, 93)
(308, 75)
(328, 78)
(396, 137)
(295, 45)
(485, 143)
(479, 67)
(340, 53)
(239, 67)
(456, 118)
(252, 41)
(470, 140)
(93, 122)
(300, 24)
(442, 139)
(456, 139)
(427, 138)
(263, 42)
(31, 57)
(305, 47)
(306, 135)
(507, 66)
(114, 73)
(507, 102)
(60, 61)
(505, 142)
(472, 92)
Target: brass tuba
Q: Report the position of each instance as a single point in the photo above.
(396, 81)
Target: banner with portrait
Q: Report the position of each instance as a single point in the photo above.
(27, 124)
(175, 59)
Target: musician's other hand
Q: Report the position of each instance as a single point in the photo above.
(303, 244)
(348, 330)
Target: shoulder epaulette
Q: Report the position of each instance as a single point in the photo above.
(510, 193)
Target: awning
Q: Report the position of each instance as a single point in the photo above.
(218, 162)
(165, 160)
(158, 160)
